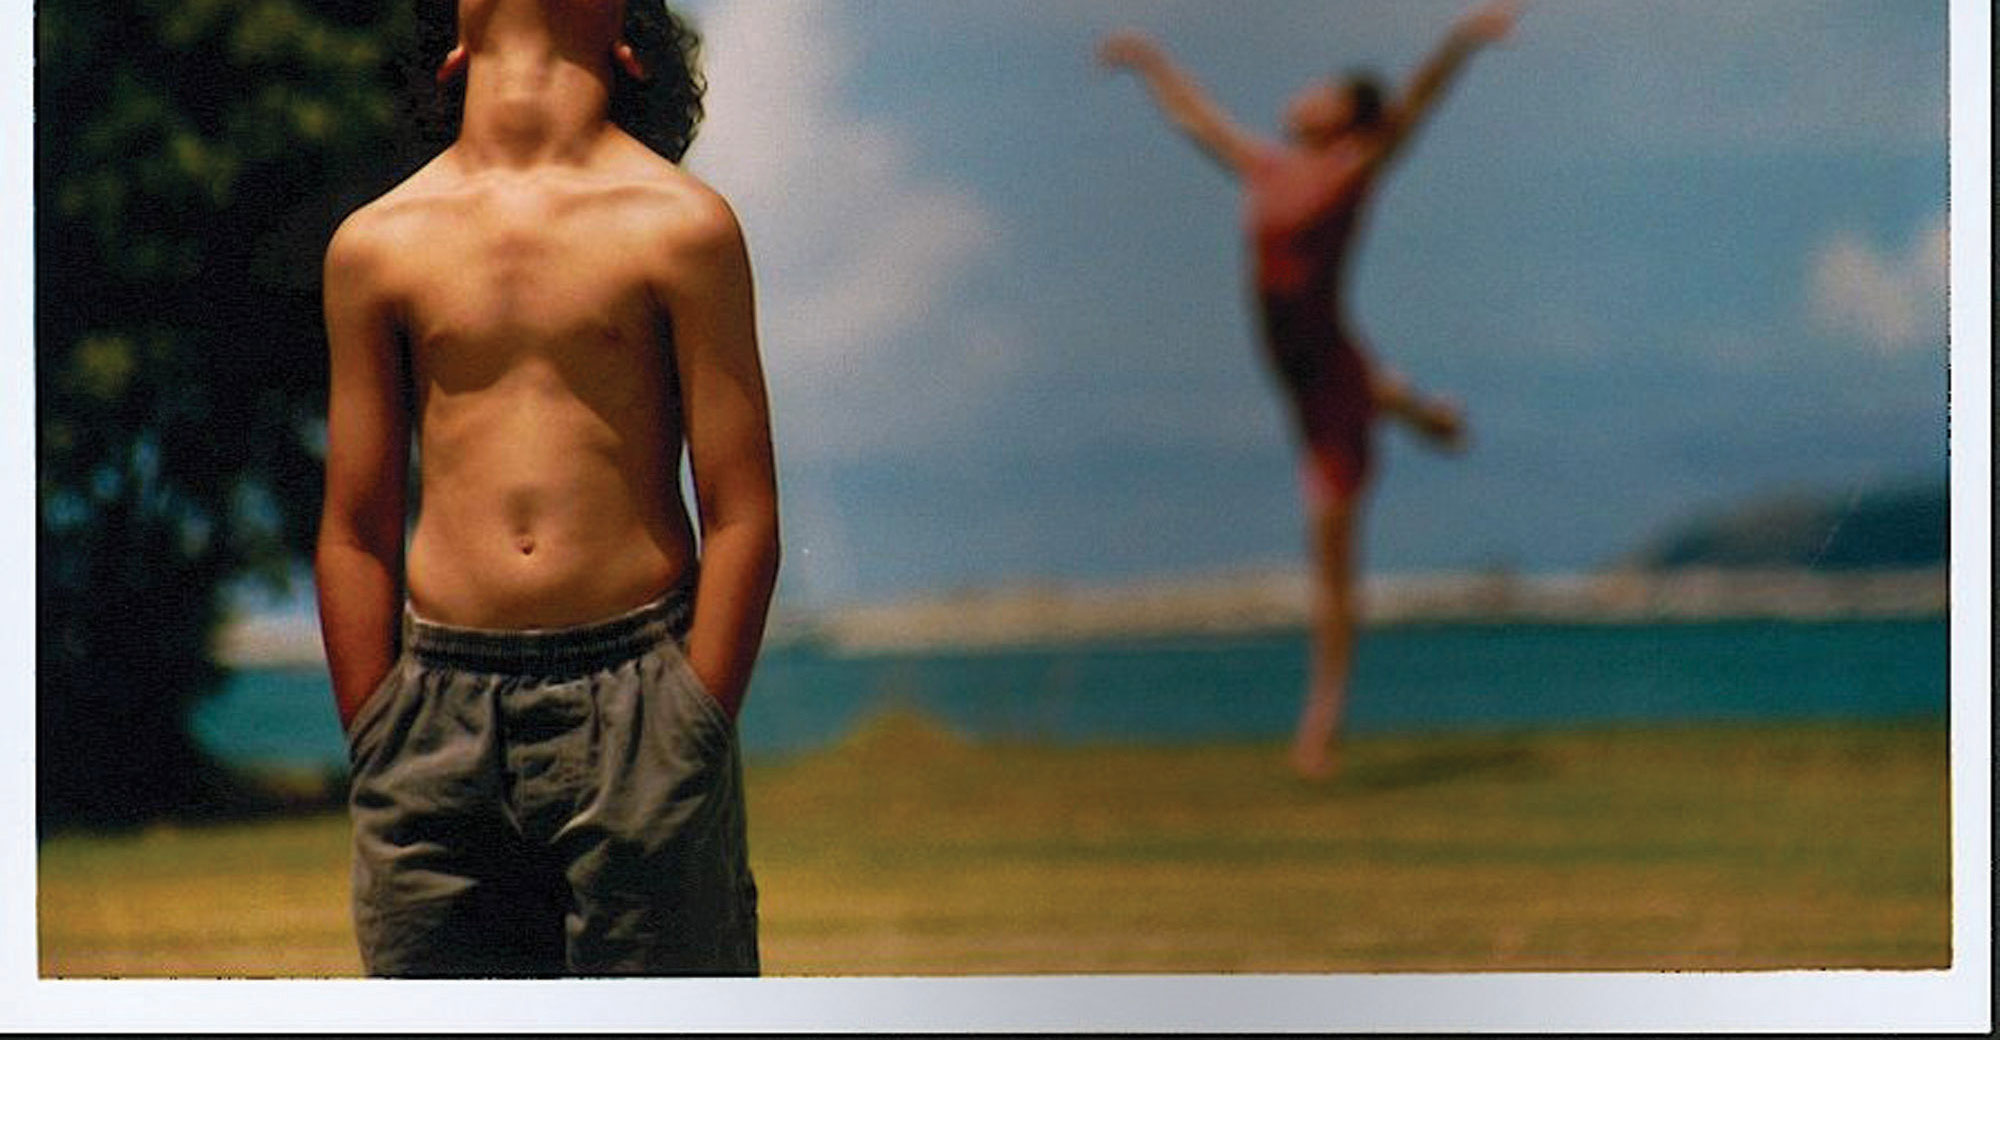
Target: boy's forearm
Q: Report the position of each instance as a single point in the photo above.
(1181, 99)
(1443, 65)
(739, 571)
(1476, 30)
(1173, 91)
(360, 609)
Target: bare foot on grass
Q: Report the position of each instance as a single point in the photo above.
(1315, 762)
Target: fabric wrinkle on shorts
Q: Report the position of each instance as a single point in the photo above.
(550, 802)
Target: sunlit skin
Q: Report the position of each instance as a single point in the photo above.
(555, 312)
(1313, 186)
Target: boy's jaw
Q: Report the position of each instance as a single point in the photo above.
(593, 20)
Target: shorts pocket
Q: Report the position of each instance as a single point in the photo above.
(705, 701)
(372, 707)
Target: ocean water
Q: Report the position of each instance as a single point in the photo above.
(1406, 679)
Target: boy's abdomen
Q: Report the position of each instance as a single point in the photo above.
(491, 583)
(545, 517)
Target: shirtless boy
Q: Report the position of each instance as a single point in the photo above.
(1304, 200)
(540, 696)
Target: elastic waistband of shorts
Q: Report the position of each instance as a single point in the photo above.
(571, 650)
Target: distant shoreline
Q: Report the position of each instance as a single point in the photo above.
(1264, 601)
(1253, 603)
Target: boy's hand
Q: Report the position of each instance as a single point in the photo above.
(1490, 23)
(1128, 49)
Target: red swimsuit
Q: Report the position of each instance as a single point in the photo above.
(1302, 212)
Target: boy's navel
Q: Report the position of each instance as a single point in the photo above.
(524, 544)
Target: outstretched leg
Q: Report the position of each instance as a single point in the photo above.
(1437, 420)
(1336, 610)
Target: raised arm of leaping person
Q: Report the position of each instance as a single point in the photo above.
(1181, 99)
(1483, 26)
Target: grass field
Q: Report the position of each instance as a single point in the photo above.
(907, 851)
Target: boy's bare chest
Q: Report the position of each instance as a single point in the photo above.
(1303, 193)
(516, 286)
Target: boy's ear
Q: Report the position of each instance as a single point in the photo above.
(628, 60)
(453, 65)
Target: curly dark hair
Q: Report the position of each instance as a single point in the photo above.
(663, 112)
(1365, 88)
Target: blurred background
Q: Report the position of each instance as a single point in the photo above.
(190, 162)
(1683, 265)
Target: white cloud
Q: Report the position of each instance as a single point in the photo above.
(857, 248)
(1891, 299)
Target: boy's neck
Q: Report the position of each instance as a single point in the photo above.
(532, 99)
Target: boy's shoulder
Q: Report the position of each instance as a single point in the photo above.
(417, 198)
(641, 201)
(646, 187)
(375, 234)
(683, 229)
(674, 204)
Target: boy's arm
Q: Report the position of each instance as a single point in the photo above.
(1181, 99)
(1478, 28)
(708, 298)
(358, 562)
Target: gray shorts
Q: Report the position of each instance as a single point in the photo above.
(549, 803)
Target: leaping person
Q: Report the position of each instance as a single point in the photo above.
(1304, 199)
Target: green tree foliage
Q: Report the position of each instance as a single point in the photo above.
(191, 159)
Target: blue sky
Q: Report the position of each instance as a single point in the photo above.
(1670, 254)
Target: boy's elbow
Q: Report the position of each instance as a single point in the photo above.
(757, 549)
(337, 557)
(753, 530)
(344, 533)
(770, 543)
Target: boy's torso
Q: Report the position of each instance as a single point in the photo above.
(545, 397)
(1302, 209)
